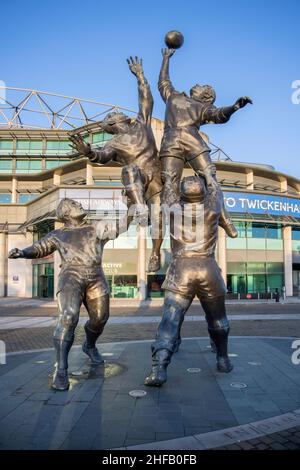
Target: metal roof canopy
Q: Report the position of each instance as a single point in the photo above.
(50, 110)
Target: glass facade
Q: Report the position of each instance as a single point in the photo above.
(5, 166)
(5, 198)
(256, 236)
(6, 146)
(296, 239)
(54, 163)
(100, 137)
(26, 197)
(33, 147)
(248, 278)
(154, 283)
(123, 286)
(28, 165)
(43, 280)
(55, 147)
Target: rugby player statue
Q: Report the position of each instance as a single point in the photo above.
(182, 142)
(193, 271)
(133, 146)
(80, 244)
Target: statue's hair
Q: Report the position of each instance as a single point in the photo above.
(192, 187)
(206, 93)
(63, 209)
(114, 117)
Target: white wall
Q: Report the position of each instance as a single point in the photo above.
(21, 269)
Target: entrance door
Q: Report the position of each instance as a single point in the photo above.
(43, 280)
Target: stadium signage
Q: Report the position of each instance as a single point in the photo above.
(262, 204)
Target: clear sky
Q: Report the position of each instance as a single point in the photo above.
(240, 47)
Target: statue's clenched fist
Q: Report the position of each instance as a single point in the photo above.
(242, 102)
(15, 253)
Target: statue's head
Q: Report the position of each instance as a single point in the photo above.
(68, 210)
(193, 189)
(204, 93)
(115, 122)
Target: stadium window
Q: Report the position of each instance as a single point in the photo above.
(97, 137)
(26, 197)
(274, 231)
(6, 146)
(5, 166)
(28, 166)
(5, 198)
(29, 146)
(58, 146)
(296, 233)
(256, 230)
(54, 163)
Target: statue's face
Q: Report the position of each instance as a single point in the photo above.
(117, 126)
(76, 211)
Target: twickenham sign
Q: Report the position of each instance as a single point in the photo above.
(261, 204)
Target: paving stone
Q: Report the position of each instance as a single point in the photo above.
(98, 413)
(148, 432)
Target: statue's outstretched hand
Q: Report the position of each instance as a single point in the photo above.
(15, 253)
(135, 65)
(78, 144)
(242, 102)
(167, 53)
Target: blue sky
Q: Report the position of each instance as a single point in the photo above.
(240, 47)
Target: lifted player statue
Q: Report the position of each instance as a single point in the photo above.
(193, 271)
(81, 280)
(182, 142)
(134, 147)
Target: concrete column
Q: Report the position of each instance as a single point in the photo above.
(56, 262)
(288, 260)
(14, 190)
(28, 268)
(56, 178)
(283, 185)
(222, 259)
(3, 258)
(250, 180)
(89, 174)
(142, 262)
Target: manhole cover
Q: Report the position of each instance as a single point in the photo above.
(137, 393)
(238, 385)
(252, 363)
(193, 370)
(232, 355)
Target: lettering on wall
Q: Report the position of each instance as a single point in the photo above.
(261, 204)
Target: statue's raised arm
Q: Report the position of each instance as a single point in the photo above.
(165, 86)
(145, 96)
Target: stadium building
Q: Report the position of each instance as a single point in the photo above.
(38, 168)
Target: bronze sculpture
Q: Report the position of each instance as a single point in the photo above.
(81, 279)
(182, 141)
(135, 149)
(193, 271)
